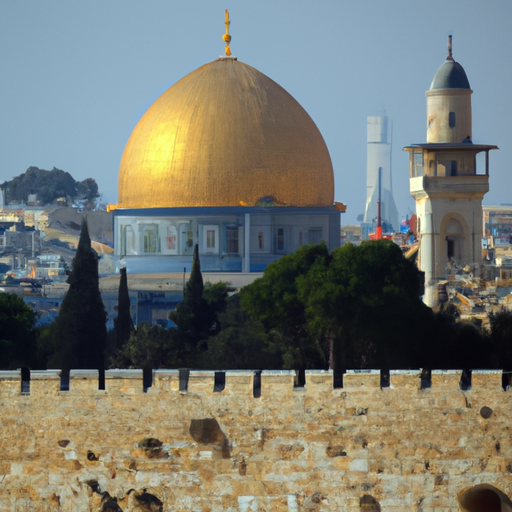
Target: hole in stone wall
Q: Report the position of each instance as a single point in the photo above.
(25, 381)
(64, 380)
(152, 447)
(337, 381)
(147, 379)
(208, 431)
(91, 456)
(300, 378)
(94, 485)
(256, 384)
(426, 378)
(484, 498)
(465, 380)
(384, 378)
(147, 502)
(369, 504)
(506, 379)
(219, 383)
(183, 375)
(101, 378)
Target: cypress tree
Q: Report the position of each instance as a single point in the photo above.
(195, 318)
(123, 324)
(81, 333)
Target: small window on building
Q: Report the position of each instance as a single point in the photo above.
(232, 239)
(150, 239)
(171, 243)
(261, 241)
(315, 235)
(453, 168)
(451, 119)
(280, 245)
(172, 240)
(211, 239)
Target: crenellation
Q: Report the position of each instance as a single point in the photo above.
(83, 382)
(277, 383)
(405, 379)
(319, 382)
(10, 383)
(367, 379)
(487, 379)
(44, 384)
(446, 379)
(239, 382)
(201, 382)
(127, 382)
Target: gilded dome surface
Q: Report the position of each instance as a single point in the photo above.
(225, 135)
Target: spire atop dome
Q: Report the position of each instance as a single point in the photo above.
(450, 56)
(226, 37)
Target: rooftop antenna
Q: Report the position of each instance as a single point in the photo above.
(226, 37)
(449, 57)
(379, 218)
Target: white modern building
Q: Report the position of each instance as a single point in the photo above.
(378, 156)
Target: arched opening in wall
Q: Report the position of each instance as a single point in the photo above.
(369, 504)
(483, 498)
(454, 234)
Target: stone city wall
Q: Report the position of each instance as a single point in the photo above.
(314, 448)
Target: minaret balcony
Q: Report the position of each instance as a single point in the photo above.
(468, 186)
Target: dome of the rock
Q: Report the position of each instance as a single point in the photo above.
(225, 135)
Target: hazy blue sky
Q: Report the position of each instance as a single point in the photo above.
(75, 77)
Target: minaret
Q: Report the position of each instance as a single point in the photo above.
(445, 182)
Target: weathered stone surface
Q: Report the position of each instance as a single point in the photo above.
(394, 449)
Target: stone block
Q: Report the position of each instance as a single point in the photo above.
(124, 382)
(361, 379)
(45, 382)
(405, 379)
(10, 383)
(83, 381)
(319, 382)
(165, 381)
(486, 380)
(445, 380)
(239, 383)
(201, 382)
(277, 383)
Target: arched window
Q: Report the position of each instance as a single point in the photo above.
(451, 119)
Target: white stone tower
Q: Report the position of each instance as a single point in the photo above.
(378, 154)
(444, 180)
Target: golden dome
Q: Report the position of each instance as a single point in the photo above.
(225, 135)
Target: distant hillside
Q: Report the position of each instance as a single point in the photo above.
(48, 187)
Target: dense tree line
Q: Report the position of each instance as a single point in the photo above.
(48, 185)
(357, 307)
